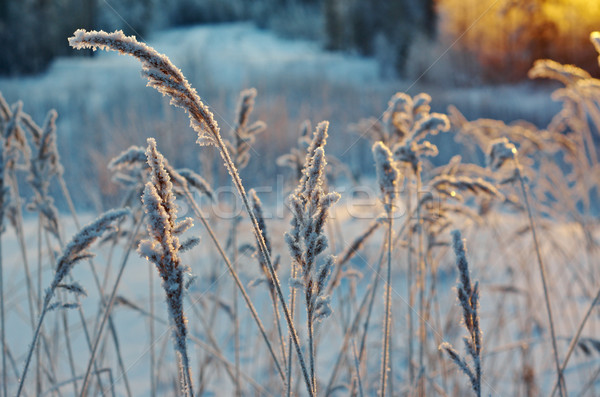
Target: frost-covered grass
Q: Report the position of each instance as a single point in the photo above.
(290, 288)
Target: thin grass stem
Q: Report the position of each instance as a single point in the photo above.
(311, 352)
(542, 269)
(277, 320)
(3, 325)
(265, 252)
(109, 306)
(376, 278)
(290, 341)
(421, 283)
(152, 337)
(575, 339)
(67, 336)
(82, 320)
(347, 336)
(34, 341)
(38, 358)
(357, 369)
(198, 213)
(236, 321)
(409, 283)
(113, 331)
(31, 293)
(388, 302)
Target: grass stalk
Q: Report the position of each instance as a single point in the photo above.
(421, 283)
(277, 320)
(210, 336)
(543, 276)
(409, 283)
(237, 181)
(109, 305)
(67, 196)
(350, 332)
(3, 326)
(375, 283)
(31, 293)
(236, 321)
(311, 352)
(212, 349)
(388, 302)
(65, 323)
(56, 388)
(388, 177)
(576, 338)
(198, 213)
(229, 366)
(357, 369)
(33, 343)
(69, 349)
(113, 245)
(13, 364)
(468, 297)
(63, 314)
(293, 275)
(113, 331)
(152, 337)
(38, 358)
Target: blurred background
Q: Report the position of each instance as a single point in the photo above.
(339, 60)
(488, 40)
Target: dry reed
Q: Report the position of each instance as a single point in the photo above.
(164, 251)
(468, 297)
(388, 178)
(310, 207)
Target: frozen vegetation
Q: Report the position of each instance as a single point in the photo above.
(407, 249)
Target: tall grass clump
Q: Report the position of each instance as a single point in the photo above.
(434, 198)
(16, 153)
(406, 127)
(502, 151)
(168, 80)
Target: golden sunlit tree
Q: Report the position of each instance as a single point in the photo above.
(506, 36)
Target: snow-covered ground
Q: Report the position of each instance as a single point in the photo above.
(497, 261)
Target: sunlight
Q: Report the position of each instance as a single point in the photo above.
(506, 36)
